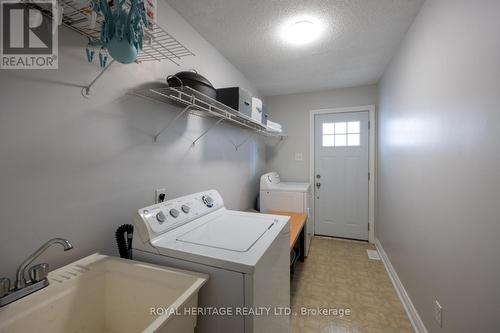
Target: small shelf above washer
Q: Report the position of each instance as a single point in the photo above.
(158, 44)
(202, 105)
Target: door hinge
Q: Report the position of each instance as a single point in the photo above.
(369, 176)
(368, 226)
(369, 124)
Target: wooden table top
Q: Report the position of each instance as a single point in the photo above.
(297, 222)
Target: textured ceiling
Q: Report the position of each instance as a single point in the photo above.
(359, 38)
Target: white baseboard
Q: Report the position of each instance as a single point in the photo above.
(412, 313)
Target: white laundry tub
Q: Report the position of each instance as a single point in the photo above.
(102, 294)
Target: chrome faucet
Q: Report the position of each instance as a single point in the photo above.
(21, 271)
(38, 275)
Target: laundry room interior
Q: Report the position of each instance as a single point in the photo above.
(238, 166)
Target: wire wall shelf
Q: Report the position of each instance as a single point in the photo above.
(202, 105)
(158, 44)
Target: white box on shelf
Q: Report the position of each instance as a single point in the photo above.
(257, 109)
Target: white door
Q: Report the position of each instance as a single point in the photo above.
(341, 161)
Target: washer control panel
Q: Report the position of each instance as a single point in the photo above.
(160, 217)
(207, 200)
(269, 179)
(173, 213)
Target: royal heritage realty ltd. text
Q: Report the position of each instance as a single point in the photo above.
(250, 311)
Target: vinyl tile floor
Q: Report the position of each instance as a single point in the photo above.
(354, 292)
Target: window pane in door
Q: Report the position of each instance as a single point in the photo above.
(340, 140)
(353, 127)
(328, 128)
(353, 140)
(340, 128)
(341, 134)
(328, 141)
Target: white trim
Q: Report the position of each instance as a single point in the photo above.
(372, 154)
(412, 313)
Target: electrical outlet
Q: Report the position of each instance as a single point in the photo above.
(438, 313)
(160, 195)
(298, 157)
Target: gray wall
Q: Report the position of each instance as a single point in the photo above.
(292, 111)
(439, 163)
(79, 168)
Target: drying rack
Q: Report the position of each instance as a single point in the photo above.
(158, 44)
(202, 105)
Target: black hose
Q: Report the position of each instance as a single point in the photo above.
(125, 243)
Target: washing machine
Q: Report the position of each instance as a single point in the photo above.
(289, 197)
(246, 256)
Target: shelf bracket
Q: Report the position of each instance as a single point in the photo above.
(86, 90)
(244, 141)
(208, 130)
(186, 109)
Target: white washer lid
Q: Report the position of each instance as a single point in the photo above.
(228, 233)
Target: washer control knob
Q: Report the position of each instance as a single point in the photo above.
(160, 217)
(174, 212)
(185, 208)
(208, 201)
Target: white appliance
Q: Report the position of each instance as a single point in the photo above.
(288, 197)
(246, 256)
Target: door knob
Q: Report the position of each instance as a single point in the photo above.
(318, 185)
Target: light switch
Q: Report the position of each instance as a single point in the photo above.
(298, 157)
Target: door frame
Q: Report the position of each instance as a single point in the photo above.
(371, 154)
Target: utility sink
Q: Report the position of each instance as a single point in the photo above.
(102, 294)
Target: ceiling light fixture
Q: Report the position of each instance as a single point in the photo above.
(301, 32)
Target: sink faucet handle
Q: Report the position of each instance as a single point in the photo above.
(4, 286)
(38, 272)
